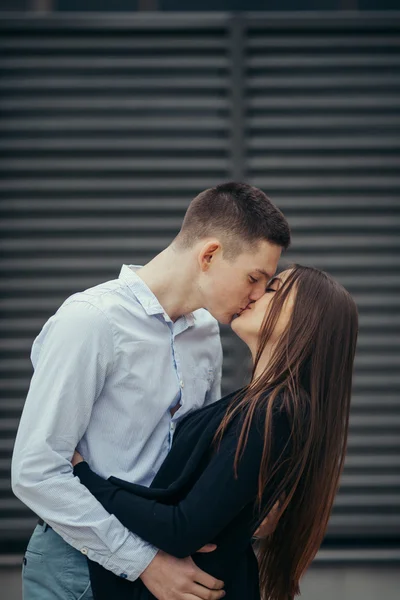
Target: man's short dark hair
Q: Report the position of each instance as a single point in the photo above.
(241, 214)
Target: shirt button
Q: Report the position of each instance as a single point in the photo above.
(172, 426)
(84, 550)
(181, 384)
(124, 575)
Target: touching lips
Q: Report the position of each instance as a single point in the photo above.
(242, 311)
(248, 307)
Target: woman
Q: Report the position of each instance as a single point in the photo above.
(281, 439)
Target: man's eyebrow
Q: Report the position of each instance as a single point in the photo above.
(267, 275)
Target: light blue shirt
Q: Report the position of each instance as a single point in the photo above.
(108, 365)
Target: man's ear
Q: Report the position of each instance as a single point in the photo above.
(208, 252)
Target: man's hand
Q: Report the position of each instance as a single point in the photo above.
(170, 578)
(77, 458)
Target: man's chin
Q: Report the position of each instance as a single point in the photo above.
(233, 319)
(225, 319)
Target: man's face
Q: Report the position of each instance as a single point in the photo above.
(229, 286)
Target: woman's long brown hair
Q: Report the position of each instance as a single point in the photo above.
(310, 376)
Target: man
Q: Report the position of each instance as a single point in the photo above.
(114, 369)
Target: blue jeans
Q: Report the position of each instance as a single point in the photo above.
(54, 570)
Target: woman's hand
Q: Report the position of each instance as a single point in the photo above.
(77, 458)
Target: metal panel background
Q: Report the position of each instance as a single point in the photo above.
(110, 126)
(322, 136)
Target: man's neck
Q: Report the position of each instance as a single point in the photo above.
(171, 276)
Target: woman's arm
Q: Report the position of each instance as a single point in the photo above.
(213, 502)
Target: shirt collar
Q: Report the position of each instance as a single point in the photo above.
(145, 296)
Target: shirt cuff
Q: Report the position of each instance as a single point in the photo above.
(130, 568)
(131, 558)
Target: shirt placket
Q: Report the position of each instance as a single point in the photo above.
(176, 328)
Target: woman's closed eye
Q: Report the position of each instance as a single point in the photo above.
(273, 285)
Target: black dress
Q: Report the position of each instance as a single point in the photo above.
(195, 499)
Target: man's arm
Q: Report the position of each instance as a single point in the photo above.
(212, 504)
(76, 356)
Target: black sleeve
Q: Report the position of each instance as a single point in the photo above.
(213, 502)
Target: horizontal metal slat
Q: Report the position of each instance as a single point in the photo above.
(6, 445)
(348, 556)
(141, 246)
(307, 61)
(117, 184)
(305, 246)
(13, 405)
(298, 22)
(90, 264)
(328, 163)
(377, 420)
(24, 525)
(107, 22)
(323, 122)
(332, 142)
(365, 523)
(114, 164)
(138, 102)
(333, 40)
(23, 84)
(371, 500)
(326, 182)
(381, 399)
(28, 324)
(165, 224)
(379, 320)
(142, 63)
(118, 144)
(104, 42)
(347, 101)
(375, 362)
(116, 123)
(319, 81)
(8, 424)
(176, 202)
(12, 504)
(367, 461)
(370, 480)
(374, 441)
(277, 184)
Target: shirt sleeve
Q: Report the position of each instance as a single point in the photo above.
(72, 356)
(213, 502)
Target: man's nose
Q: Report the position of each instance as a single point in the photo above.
(256, 294)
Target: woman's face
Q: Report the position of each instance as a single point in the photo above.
(248, 325)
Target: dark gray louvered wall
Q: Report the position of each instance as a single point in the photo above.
(109, 128)
(322, 136)
(108, 133)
